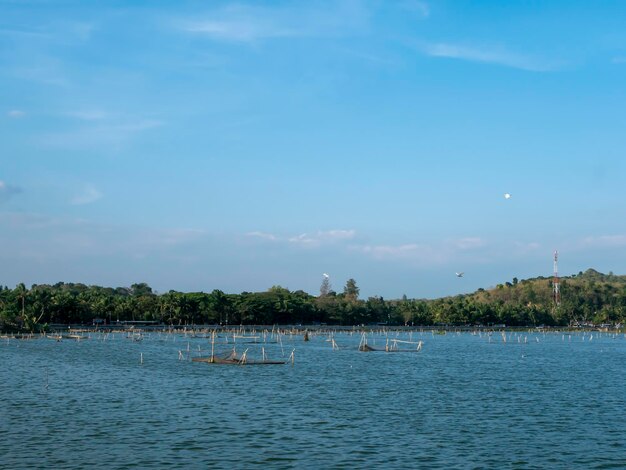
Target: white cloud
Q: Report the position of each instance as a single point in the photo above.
(488, 55)
(263, 235)
(333, 235)
(304, 240)
(88, 195)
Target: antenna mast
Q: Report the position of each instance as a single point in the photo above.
(555, 284)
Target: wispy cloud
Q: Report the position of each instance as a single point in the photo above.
(605, 241)
(411, 251)
(35, 53)
(88, 115)
(44, 70)
(415, 6)
(321, 237)
(243, 30)
(24, 34)
(346, 240)
(178, 236)
(27, 221)
(523, 248)
(16, 113)
(43, 237)
(488, 55)
(7, 191)
(248, 23)
(262, 235)
(308, 240)
(305, 240)
(81, 31)
(430, 254)
(88, 195)
(468, 243)
(62, 32)
(101, 134)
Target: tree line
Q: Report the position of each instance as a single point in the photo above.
(589, 297)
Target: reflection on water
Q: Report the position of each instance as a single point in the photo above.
(465, 401)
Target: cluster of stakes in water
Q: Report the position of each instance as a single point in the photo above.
(276, 346)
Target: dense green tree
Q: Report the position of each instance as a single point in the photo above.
(141, 289)
(351, 291)
(586, 297)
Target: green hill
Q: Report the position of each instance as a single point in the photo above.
(586, 297)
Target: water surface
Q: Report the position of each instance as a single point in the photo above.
(465, 401)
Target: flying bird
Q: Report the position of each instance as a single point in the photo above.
(507, 196)
(459, 274)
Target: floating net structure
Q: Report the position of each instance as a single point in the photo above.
(391, 345)
(233, 358)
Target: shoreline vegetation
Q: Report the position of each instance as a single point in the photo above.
(588, 300)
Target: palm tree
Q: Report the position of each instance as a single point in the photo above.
(20, 293)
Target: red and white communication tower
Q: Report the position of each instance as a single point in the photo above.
(555, 284)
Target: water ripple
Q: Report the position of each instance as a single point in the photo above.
(464, 402)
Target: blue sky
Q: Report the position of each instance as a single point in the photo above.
(237, 146)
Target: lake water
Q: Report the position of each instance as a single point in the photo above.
(465, 401)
